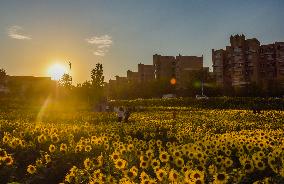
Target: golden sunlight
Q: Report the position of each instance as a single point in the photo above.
(56, 71)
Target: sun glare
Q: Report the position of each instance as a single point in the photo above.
(56, 71)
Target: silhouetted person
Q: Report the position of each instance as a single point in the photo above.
(120, 114)
(127, 114)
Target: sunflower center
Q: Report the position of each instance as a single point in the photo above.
(221, 177)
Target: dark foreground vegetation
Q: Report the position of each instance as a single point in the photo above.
(211, 103)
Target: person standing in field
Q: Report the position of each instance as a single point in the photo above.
(127, 114)
(120, 114)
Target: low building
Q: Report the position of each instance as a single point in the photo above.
(145, 72)
(118, 81)
(28, 85)
(180, 67)
(186, 67)
(132, 76)
(164, 67)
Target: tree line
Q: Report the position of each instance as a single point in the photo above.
(95, 90)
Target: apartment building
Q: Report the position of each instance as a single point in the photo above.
(247, 62)
(279, 64)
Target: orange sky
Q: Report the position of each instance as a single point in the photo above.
(120, 34)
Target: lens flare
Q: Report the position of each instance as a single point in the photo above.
(56, 71)
(173, 81)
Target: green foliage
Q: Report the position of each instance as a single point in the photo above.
(97, 76)
(97, 84)
(66, 81)
(3, 75)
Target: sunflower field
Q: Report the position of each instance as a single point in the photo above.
(155, 146)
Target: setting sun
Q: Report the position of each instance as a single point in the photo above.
(56, 71)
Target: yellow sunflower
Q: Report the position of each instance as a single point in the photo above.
(63, 148)
(51, 148)
(161, 174)
(120, 163)
(31, 169)
(88, 163)
(220, 178)
(173, 175)
(8, 160)
(155, 163)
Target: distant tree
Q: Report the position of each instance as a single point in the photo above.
(66, 81)
(3, 75)
(197, 80)
(86, 90)
(86, 84)
(97, 82)
(97, 76)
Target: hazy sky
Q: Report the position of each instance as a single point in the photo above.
(122, 33)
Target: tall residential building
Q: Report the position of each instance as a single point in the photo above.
(220, 62)
(267, 63)
(246, 62)
(279, 55)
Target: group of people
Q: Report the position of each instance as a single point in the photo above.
(123, 114)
